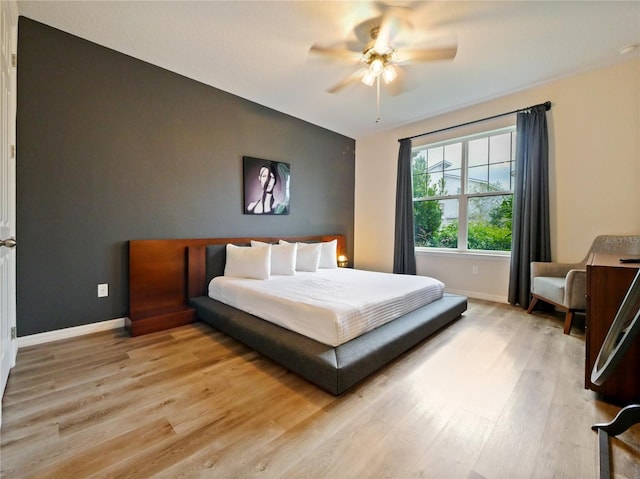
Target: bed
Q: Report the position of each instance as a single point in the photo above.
(334, 368)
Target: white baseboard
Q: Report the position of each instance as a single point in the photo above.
(476, 295)
(66, 333)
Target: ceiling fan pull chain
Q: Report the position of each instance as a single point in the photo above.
(378, 98)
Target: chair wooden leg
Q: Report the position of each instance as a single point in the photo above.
(568, 320)
(532, 304)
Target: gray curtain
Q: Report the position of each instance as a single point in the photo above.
(404, 255)
(530, 233)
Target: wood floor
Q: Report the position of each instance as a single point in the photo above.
(497, 394)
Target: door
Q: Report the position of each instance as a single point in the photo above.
(8, 34)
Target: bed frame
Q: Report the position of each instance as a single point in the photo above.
(334, 369)
(158, 295)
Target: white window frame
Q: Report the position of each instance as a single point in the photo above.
(463, 197)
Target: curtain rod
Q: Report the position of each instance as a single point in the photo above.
(547, 106)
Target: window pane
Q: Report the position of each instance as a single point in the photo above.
(419, 172)
(479, 152)
(513, 158)
(489, 223)
(435, 157)
(452, 182)
(436, 223)
(420, 185)
(478, 179)
(513, 174)
(419, 161)
(500, 148)
(453, 156)
(435, 184)
(500, 176)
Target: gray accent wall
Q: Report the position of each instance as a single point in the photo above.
(111, 148)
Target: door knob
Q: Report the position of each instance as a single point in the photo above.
(9, 242)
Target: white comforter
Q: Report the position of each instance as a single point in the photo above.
(331, 306)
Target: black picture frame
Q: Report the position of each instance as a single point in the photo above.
(266, 186)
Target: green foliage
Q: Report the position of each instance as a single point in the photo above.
(445, 237)
(502, 215)
(496, 234)
(427, 219)
(427, 214)
(481, 236)
(490, 228)
(491, 235)
(485, 236)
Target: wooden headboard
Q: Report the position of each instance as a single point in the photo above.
(158, 279)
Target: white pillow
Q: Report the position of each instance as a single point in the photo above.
(329, 254)
(308, 256)
(246, 262)
(283, 257)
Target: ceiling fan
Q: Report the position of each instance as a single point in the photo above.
(379, 57)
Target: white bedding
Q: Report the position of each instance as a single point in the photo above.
(331, 306)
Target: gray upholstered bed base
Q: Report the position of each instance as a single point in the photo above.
(333, 369)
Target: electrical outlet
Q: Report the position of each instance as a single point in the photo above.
(103, 290)
(474, 271)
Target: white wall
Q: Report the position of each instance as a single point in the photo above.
(594, 149)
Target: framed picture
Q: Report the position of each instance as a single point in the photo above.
(266, 186)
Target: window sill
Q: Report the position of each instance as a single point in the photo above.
(481, 255)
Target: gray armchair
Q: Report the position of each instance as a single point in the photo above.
(564, 285)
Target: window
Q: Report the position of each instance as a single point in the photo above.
(463, 192)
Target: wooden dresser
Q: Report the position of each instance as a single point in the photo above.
(607, 283)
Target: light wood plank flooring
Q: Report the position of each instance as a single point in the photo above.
(497, 394)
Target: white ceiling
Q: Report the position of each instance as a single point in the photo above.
(259, 50)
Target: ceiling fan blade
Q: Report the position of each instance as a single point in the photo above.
(351, 79)
(390, 20)
(389, 28)
(408, 6)
(362, 31)
(426, 55)
(337, 53)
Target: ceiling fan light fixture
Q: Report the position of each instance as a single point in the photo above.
(377, 66)
(368, 78)
(389, 74)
